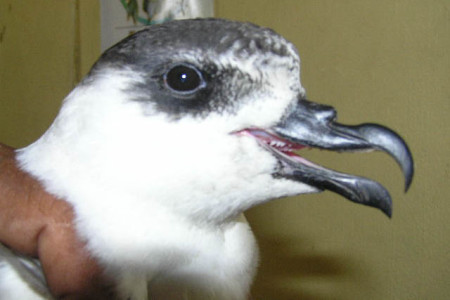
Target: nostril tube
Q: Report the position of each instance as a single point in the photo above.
(327, 113)
(319, 112)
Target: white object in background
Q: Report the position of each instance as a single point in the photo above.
(115, 25)
(181, 9)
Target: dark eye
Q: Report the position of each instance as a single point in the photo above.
(184, 79)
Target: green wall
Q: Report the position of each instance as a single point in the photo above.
(378, 61)
(45, 48)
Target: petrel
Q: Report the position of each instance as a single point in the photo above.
(174, 133)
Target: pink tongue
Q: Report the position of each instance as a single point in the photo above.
(282, 145)
(272, 140)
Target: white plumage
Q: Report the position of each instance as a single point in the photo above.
(160, 200)
(169, 139)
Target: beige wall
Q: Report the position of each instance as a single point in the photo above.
(381, 61)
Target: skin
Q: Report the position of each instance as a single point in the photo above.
(38, 224)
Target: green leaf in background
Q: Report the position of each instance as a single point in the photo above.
(132, 10)
(146, 7)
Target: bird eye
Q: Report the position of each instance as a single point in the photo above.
(184, 79)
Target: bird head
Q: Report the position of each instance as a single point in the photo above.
(205, 118)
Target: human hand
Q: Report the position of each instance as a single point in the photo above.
(35, 223)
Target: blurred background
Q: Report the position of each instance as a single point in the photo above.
(383, 61)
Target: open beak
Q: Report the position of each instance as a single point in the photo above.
(309, 124)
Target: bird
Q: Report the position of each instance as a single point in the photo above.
(174, 133)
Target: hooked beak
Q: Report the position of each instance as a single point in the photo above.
(309, 124)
